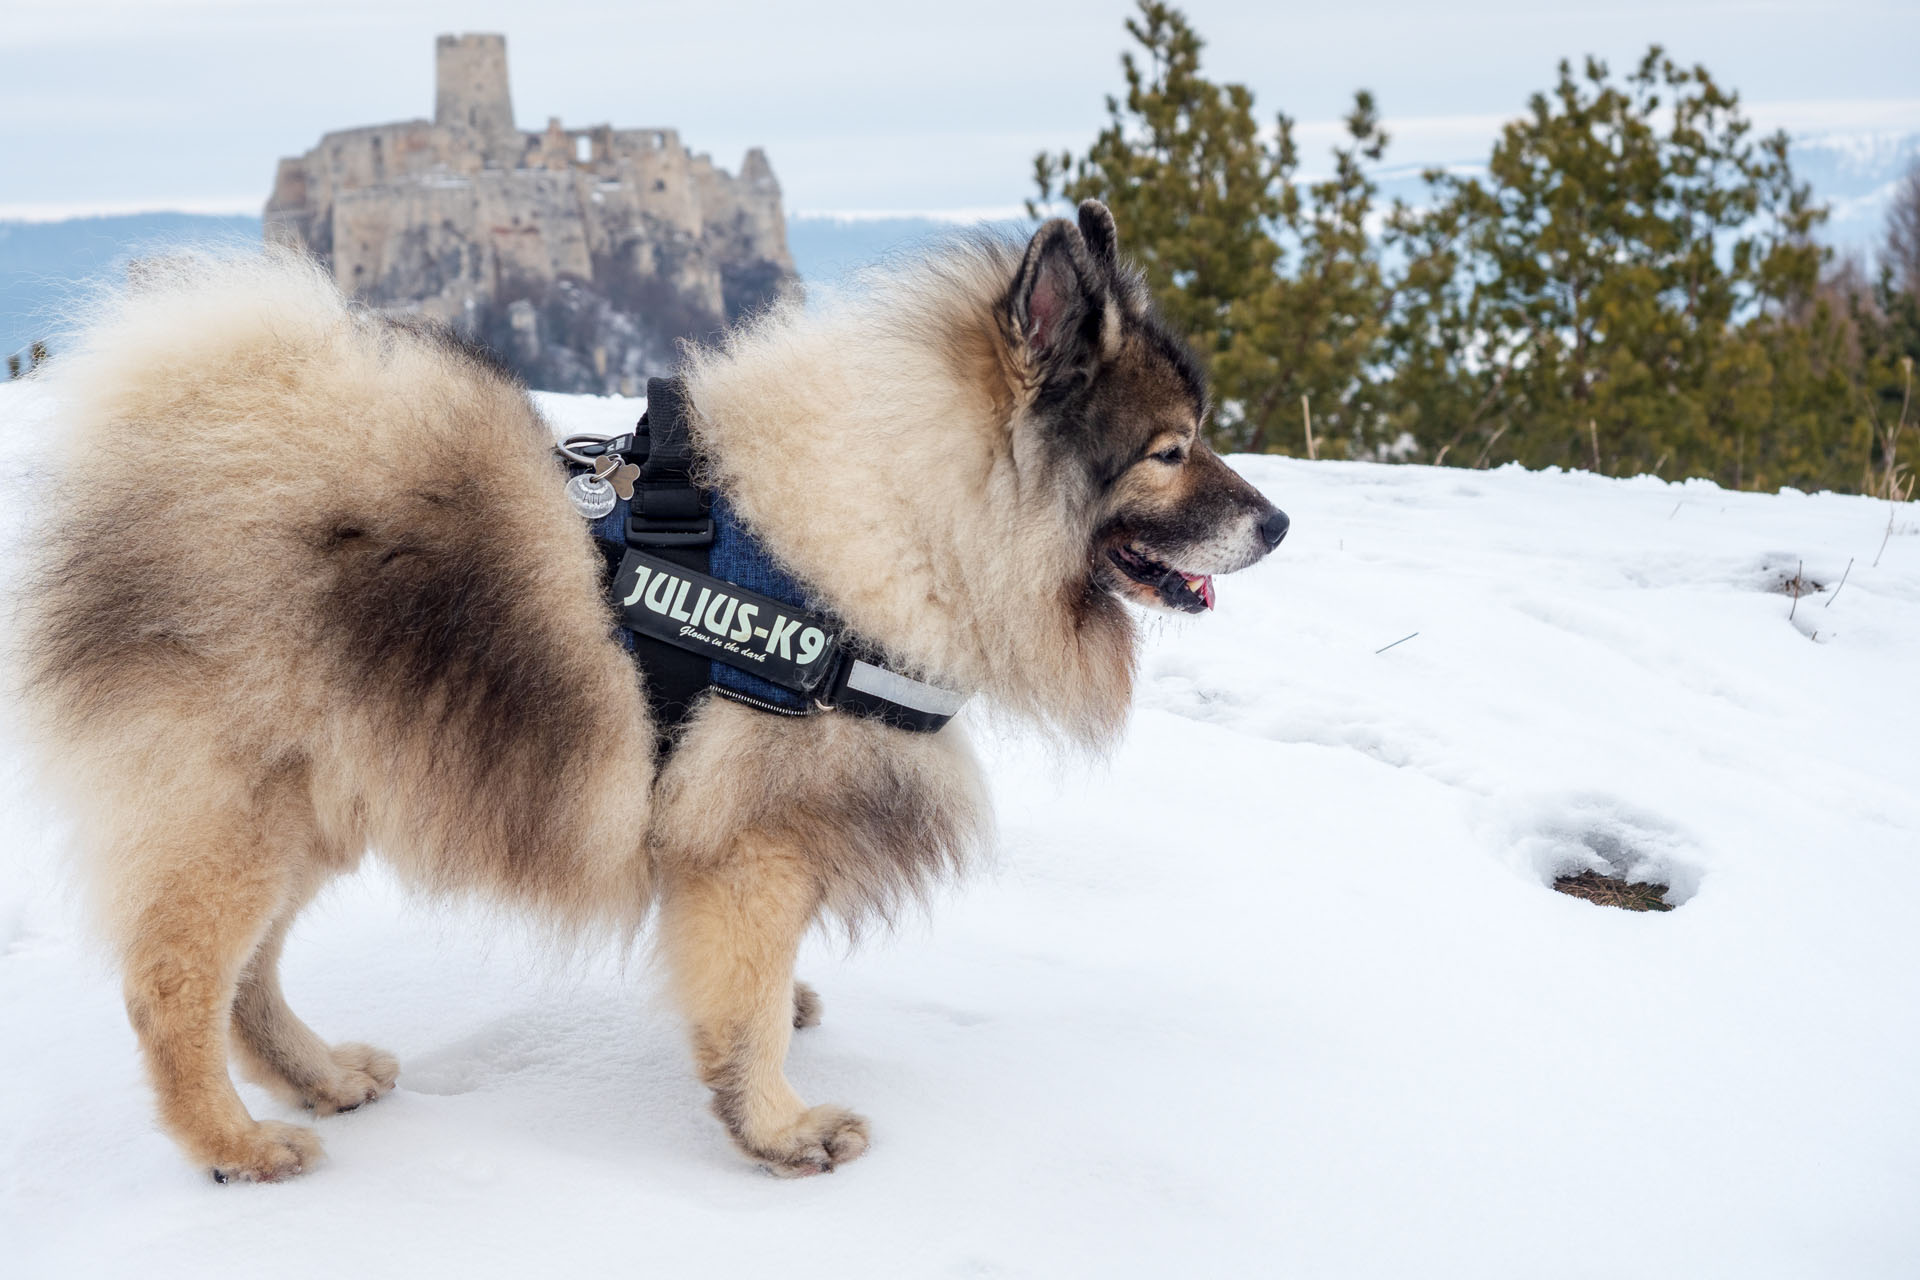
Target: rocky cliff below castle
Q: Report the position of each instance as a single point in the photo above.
(579, 255)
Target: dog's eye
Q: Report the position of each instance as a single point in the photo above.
(1171, 456)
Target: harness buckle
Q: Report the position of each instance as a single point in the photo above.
(669, 513)
(642, 532)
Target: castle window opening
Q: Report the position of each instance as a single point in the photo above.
(583, 149)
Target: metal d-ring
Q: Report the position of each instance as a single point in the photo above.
(568, 451)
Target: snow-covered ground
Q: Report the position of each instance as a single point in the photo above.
(1280, 989)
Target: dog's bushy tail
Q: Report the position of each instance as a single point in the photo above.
(176, 312)
(289, 538)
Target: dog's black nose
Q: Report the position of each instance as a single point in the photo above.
(1274, 528)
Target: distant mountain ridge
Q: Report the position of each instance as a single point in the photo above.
(48, 268)
(1856, 172)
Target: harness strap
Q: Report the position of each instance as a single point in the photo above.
(669, 509)
(671, 518)
(673, 523)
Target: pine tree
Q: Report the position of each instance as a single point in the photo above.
(37, 352)
(1314, 331)
(1611, 294)
(1279, 293)
(13, 367)
(1189, 179)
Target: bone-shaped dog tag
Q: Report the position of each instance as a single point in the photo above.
(618, 472)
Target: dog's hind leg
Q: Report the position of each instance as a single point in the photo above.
(277, 1050)
(731, 931)
(198, 893)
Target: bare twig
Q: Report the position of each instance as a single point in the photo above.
(1676, 509)
(1402, 640)
(1593, 434)
(1892, 508)
(1313, 454)
(1798, 584)
(1828, 604)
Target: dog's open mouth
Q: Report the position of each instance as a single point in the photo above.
(1187, 592)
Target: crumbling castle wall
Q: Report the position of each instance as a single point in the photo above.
(581, 255)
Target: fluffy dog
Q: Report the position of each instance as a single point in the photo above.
(338, 602)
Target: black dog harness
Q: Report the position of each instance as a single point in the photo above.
(703, 605)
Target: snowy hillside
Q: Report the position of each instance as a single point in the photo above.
(1281, 989)
(1857, 174)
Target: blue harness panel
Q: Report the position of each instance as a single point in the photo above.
(736, 556)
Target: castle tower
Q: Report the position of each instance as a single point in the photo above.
(470, 80)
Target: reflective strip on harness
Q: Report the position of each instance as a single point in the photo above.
(894, 687)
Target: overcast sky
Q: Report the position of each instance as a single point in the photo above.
(862, 105)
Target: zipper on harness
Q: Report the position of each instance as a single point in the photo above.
(761, 704)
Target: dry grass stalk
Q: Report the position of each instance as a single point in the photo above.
(1893, 509)
(1487, 452)
(1828, 603)
(1891, 472)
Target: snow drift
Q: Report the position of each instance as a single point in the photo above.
(1356, 1034)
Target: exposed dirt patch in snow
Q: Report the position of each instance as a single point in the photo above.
(1611, 891)
(1600, 836)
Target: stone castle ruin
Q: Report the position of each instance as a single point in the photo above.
(579, 255)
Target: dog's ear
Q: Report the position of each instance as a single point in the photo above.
(1103, 246)
(1060, 303)
(1102, 237)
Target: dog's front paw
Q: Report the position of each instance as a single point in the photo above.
(266, 1152)
(361, 1074)
(819, 1141)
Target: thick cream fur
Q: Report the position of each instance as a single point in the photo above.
(879, 443)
